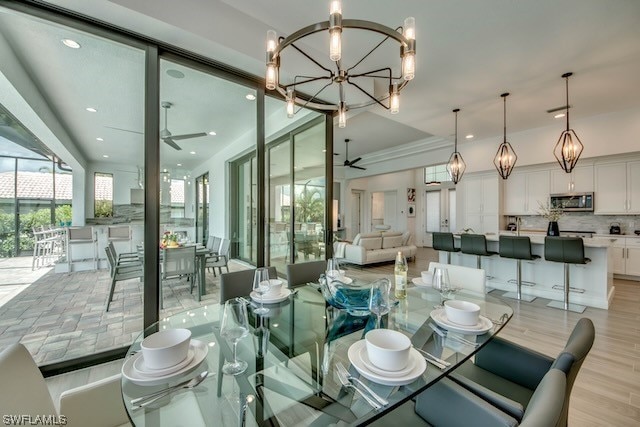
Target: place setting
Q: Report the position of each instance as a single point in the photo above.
(462, 317)
(267, 291)
(163, 356)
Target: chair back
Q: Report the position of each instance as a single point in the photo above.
(546, 405)
(471, 279)
(178, 261)
(443, 242)
(119, 232)
(475, 244)
(80, 234)
(571, 358)
(213, 243)
(305, 272)
(110, 257)
(24, 391)
(517, 247)
(239, 283)
(224, 247)
(564, 249)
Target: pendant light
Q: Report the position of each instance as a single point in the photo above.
(506, 157)
(456, 165)
(568, 148)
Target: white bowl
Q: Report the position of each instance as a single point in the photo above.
(427, 277)
(275, 287)
(165, 348)
(387, 349)
(462, 312)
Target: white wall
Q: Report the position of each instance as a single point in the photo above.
(125, 177)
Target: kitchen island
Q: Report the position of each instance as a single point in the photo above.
(591, 284)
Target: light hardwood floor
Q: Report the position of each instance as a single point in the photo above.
(607, 390)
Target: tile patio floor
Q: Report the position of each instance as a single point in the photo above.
(60, 316)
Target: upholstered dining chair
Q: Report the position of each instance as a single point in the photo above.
(24, 392)
(471, 279)
(305, 272)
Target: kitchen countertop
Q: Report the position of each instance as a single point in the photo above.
(538, 239)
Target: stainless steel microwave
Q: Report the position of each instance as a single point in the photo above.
(573, 202)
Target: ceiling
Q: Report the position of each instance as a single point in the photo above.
(468, 53)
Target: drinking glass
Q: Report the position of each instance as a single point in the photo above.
(261, 286)
(234, 327)
(441, 284)
(333, 269)
(379, 299)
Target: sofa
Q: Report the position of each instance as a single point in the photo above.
(377, 246)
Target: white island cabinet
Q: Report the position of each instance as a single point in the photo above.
(592, 283)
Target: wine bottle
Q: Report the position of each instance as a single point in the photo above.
(400, 273)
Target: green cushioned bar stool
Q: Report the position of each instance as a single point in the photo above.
(567, 250)
(475, 244)
(518, 248)
(444, 242)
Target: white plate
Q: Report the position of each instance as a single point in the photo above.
(419, 282)
(418, 369)
(200, 351)
(345, 280)
(364, 357)
(142, 369)
(271, 299)
(440, 317)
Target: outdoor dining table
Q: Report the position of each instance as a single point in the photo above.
(292, 353)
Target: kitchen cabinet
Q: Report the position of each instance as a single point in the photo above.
(580, 177)
(618, 249)
(482, 203)
(626, 256)
(525, 191)
(617, 188)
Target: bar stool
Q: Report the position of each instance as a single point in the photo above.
(78, 236)
(444, 242)
(119, 233)
(518, 248)
(567, 250)
(475, 244)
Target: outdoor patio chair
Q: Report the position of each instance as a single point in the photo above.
(213, 244)
(179, 263)
(24, 392)
(121, 271)
(221, 259)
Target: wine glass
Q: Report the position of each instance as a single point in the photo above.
(333, 269)
(234, 327)
(379, 299)
(261, 285)
(441, 283)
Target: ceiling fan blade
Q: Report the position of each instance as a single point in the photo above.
(172, 144)
(123, 130)
(188, 136)
(346, 163)
(358, 167)
(356, 160)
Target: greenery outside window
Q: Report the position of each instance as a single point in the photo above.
(103, 195)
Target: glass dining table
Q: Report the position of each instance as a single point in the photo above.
(292, 354)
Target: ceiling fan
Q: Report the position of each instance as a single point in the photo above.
(351, 163)
(168, 137)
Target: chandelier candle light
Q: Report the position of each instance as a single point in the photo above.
(456, 165)
(506, 157)
(341, 75)
(569, 147)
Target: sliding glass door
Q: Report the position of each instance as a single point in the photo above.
(244, 208)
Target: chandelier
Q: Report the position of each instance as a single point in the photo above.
(342, 75)
(506, 158)
(456, 165)
(569, 147)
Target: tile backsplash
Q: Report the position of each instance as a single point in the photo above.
(580, 221)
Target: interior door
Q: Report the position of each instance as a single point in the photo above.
(440, 213)
(356, 214)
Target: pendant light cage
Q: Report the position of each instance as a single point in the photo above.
(456, 165)
(569, 147)
(506, 157)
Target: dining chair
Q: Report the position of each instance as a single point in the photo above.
(239, 283)
(470, 279)
(124, 257)
(221, 259)
(305, 272)
(24, 392)
(121, 271)
(213, 244)
(179, 263)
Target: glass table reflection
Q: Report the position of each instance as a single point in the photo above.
(292, 352)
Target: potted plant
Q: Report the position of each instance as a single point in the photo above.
(551, 214)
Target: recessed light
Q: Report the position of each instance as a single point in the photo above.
(469, 136)
(179, 164)
(192, 152)
(212, 133)
(324, 151)
(559, 115)
(91, 110)
(250, 97)
(105, 156)
(175, 74)
(99, 139)
(71, 43)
